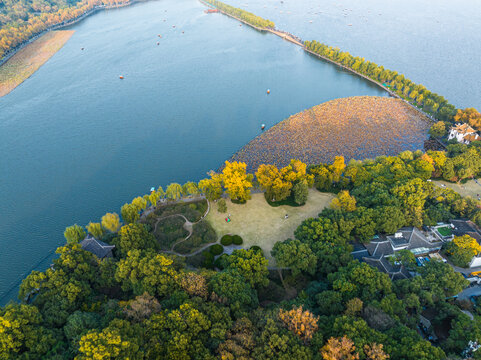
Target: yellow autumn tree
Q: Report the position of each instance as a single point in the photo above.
(339, 349)
(236, 180)
(212, 188)
(300, 323)
(266, 175)
(344, 201)
(470, 116)
(111, 222)
(468, 243)
(278, 183)
(337, 168)
(375, 352)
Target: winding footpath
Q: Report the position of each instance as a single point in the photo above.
(189, 226)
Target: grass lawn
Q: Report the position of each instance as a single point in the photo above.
(260, 224)
(445, 231)
(470, 188)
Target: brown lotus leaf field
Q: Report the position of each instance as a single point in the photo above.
(357, 127)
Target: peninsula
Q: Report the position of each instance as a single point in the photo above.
(356, 128)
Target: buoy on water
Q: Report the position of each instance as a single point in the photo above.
(173, 26)
(121, 77)
(263, 126)
(268, 91)
(182, 32)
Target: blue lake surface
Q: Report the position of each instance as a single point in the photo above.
(434, 43)
(77, 142)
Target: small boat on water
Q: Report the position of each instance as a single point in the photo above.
(81, 48)
(263, 126)
(158, 43)
(160, 36)
(268, 91)
(121, 77)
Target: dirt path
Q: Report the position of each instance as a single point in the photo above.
(189, 226)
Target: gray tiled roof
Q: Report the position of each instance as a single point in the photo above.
(97, 247)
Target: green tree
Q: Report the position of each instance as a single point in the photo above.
(130, 213)
(360, 280)
(295, 255)
(146, 271)
(301, 192)
(222, 206)
(251, 265)
(96, 230)
(22, 334)
(74, 234)
(79, 323)
(232, 289)
(111, 222)
(438, 129)
(134, 237)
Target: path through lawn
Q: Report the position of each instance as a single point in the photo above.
(260, 224)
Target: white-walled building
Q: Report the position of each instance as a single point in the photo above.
(463, 133)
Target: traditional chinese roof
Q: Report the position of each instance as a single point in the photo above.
(97, 247)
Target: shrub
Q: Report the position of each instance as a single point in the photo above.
(222, 262)
(208, 262)
(237, 240)
(221, 206)
(256, 249)
(216, 249)
(226, 240)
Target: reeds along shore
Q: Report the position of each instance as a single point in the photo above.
(29, 59)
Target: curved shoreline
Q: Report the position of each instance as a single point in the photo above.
(355, 127)
(62, 25)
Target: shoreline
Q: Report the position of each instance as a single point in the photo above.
(25, 62)
(317, 134)
(62, 25)
(297, 41)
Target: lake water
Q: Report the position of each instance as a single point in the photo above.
(77, 142)
(435, 43)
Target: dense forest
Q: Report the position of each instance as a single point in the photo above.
(146, 304)
(248, 17)
(20, 20)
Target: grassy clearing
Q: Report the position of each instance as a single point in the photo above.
(260, 224)
(29, 59)
(470, 188)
